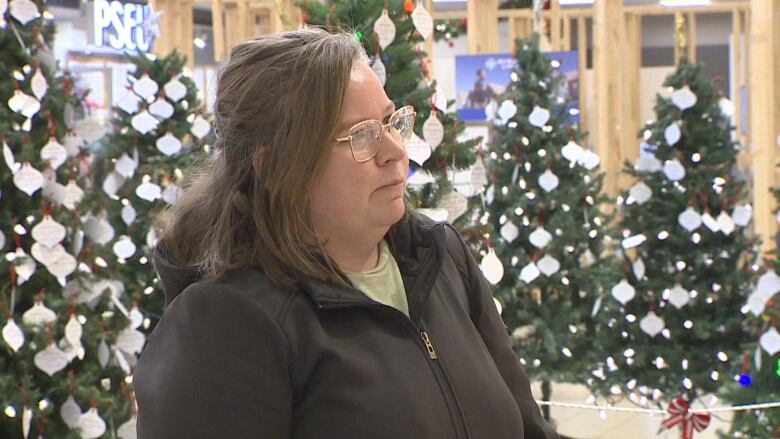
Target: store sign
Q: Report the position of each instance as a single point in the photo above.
(121, 25)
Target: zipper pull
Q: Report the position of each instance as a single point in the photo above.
(428, 345)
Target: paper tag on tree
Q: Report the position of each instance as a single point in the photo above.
(455, 203)
(385, 29)
(422, 20)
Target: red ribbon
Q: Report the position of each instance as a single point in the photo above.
(681, 413)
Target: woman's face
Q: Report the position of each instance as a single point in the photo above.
(351, 197)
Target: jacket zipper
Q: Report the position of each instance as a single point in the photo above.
(428, 346)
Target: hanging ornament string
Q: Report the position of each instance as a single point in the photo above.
(735, 408)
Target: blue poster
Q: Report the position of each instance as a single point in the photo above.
(482, 78)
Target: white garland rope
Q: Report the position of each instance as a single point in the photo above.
(735, 408)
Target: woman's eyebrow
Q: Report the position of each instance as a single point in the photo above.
(389, 109)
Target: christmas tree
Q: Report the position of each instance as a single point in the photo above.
(672, 327)
(65, 354)
(545, 213)
(444, 171)
(760, 384)
(159, 129)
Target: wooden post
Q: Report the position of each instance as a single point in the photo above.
(582, 61)
(736, 67)
(691, 32)
(429, 43)
(482, 33)
(629, 117)
(566, 39)
(218, 30)
(555, 28)
(764, 112)
(608, 68)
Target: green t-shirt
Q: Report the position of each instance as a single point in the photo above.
(383, 283)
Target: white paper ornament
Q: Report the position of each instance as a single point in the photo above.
(145, 86)
(478, 175)
(548, 181)
(128, 214)
(710, 222)
(756, 303)
(530, 272)
(684, 98)
(741, 214)
(648, 163)
(24, 11)
(509, 231)
(623, 292)
(63, 266)
(98, 229)
(161, 108)
(385, 29)
(91, 425)
(113, 181)
(38, 84)
(28, 179)
(726, 107)
(540, 237)
(572, 151)
(422, 20)
(136, 317)
(73, 331)
(70, 412)
(130, 103)
(125, 166)
(124, 247)
(651, 324)
(73, 195)
(672, 134)
(639, 268)
(200, 127)
(678, 296)
(418, 150)
(455, 203)
(438, 215)
(440, 100)
(29, 109)
(10, 161)
(131, 341)
(25, 266)
(27, 415)
(640, 192)
(175, 90)
(91, 129)
(103, 353)
(39, 315)
(48, 231)
(380, 70)
(539, 116)
(54, 153)
(128, 430)
(47, 255)
(491, 267)
(726, 223)
(768, 284)
(51, 360)
(689, 219)
(548, 265)
(506, 111)
(168, 144)
(770, 341)
(674, 170)
(13, 335)
(433, 131)
(148, 191)
(589, 160)
(144, 122)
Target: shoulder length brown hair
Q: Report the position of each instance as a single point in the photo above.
(279, 96)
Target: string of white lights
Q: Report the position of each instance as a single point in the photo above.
(735, 408)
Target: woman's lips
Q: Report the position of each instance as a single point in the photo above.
(392, 185)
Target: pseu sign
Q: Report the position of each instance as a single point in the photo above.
(121, 25)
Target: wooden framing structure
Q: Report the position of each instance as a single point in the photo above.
(616, 44)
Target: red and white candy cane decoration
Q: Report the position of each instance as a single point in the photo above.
(681, 413)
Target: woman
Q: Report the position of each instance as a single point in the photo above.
(302, 299)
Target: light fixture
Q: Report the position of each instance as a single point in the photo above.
(683, 3)
(200, 41)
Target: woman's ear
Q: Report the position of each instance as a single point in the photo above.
(258, 157)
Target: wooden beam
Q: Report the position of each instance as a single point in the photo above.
(482, 32)
(555, 25)
(764, 112)
(608, 68)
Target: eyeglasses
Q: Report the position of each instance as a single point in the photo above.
(365, 138)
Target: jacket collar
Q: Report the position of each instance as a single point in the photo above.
(417, 244)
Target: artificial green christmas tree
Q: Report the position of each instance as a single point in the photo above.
(672, 327)
(764, 344)
(160, 127)
(392, 33)
(547, 229)
(65, 349)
